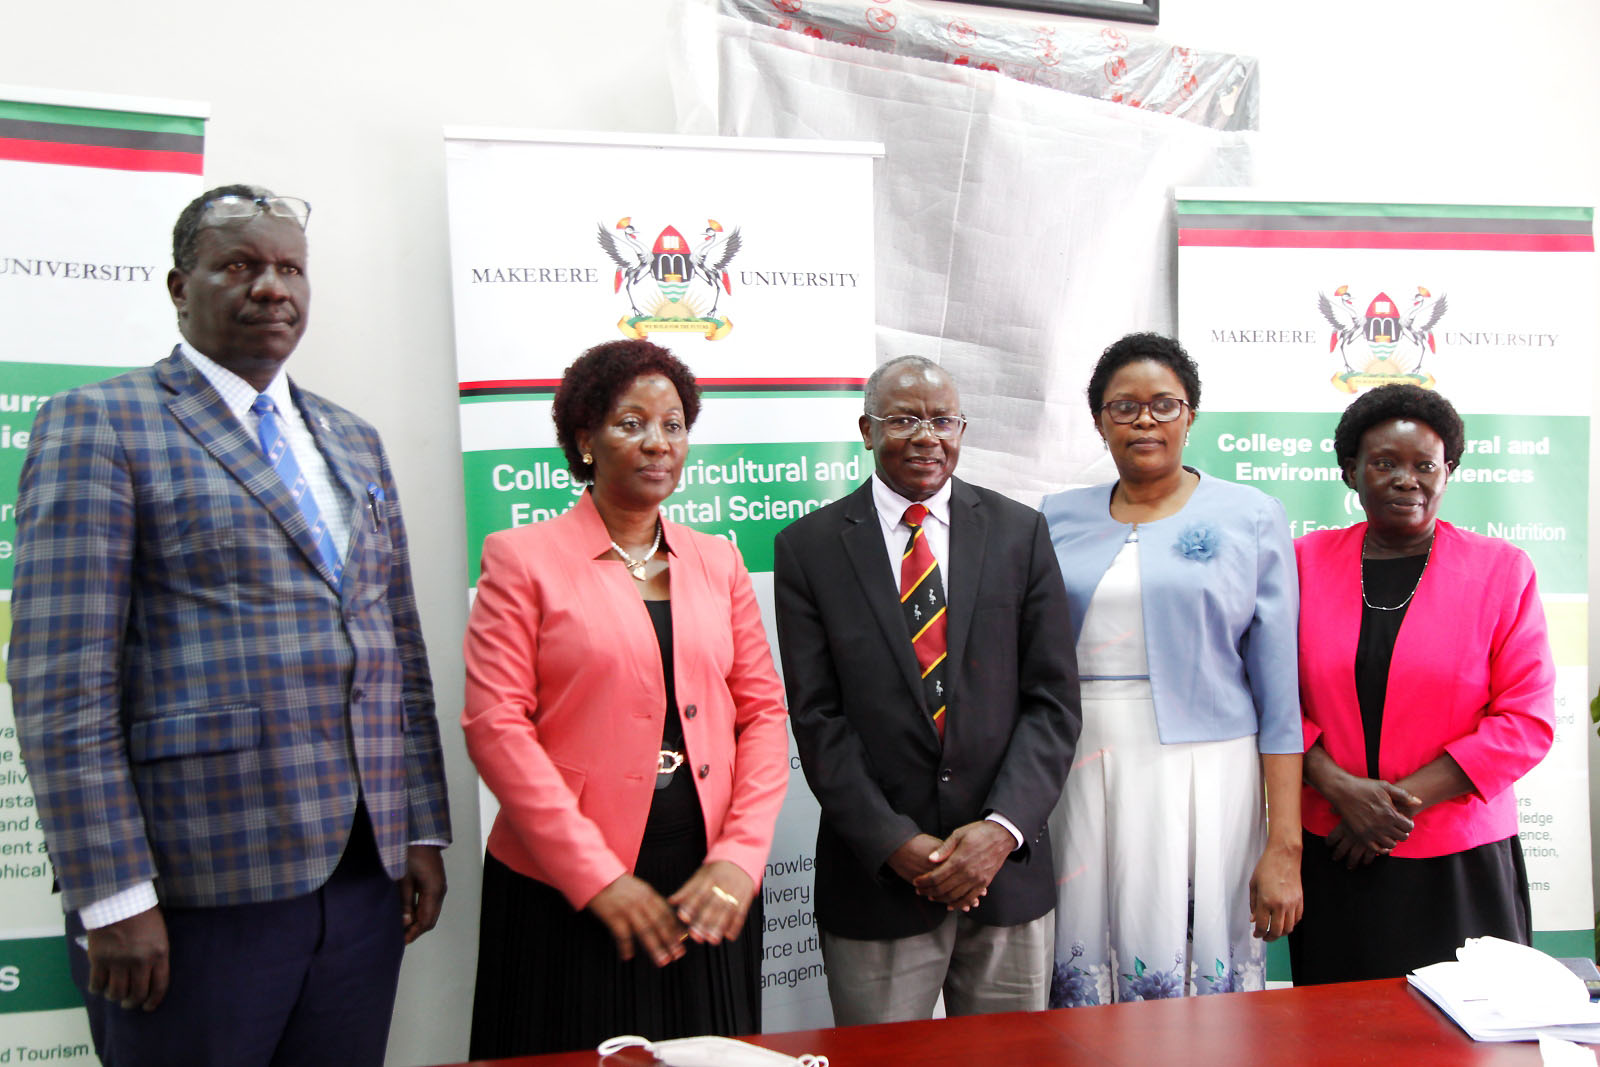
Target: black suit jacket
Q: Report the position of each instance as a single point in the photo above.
(867, 742)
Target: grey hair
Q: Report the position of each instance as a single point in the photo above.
(870, 393)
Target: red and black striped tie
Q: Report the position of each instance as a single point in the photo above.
(922, 600)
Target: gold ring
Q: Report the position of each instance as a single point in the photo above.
(724, 896)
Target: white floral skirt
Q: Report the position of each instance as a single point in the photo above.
(1154, 848)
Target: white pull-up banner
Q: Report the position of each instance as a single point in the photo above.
(90, 186)
(752, 261)
(1292, 307)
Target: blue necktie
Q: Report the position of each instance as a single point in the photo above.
(281, 456)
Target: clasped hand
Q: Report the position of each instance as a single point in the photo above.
(1375, 816)
(710, 908)
(955, 872)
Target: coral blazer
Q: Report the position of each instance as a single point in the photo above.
(1472, 675)
(565, 701)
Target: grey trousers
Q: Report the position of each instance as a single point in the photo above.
(980, 969)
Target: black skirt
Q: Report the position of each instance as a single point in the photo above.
(1394, 915)
(550, 980)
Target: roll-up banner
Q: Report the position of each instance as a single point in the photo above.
(1293, 307)
(752, 261)
(89, 187)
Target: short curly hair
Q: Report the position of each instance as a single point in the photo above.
(591, 385)
(1135, 348)
(1400, 401)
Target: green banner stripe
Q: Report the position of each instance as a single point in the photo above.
(27, 387)
(1514, 482)
(1558, 943)
(1569, 943)
(101, 136)
(43, 380)
(465, 400)
(117, 120)
(1396, 223)
(1475, 211)
(1278, 961)
(43, 982)
(743, 491)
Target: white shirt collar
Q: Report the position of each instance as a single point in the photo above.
(892, 506)
(237, 393)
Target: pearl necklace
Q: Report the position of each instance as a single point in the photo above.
(636, 566)
(1414, 588)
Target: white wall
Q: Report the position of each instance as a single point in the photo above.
(343, 103)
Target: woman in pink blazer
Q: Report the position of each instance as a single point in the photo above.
(1426, 685)
(622, 706)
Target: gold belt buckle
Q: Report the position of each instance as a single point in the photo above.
(667, 762)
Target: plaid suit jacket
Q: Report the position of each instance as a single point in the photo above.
(196, 702)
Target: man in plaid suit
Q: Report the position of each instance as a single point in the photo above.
(220, 683)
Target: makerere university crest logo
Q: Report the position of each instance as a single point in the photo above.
(675, 286)
(1385, 343)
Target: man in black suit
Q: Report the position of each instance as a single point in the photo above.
(935, 731)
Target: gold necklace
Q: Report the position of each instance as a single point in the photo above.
(1414, 588)
(636, 566)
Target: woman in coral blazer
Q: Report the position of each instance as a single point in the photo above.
(1426, 684)
(622, 706)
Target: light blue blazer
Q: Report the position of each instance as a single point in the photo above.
(1221, 607)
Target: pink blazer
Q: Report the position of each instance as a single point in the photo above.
(1472, 675)
(565, 701)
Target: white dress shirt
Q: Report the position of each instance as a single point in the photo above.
(332, 500)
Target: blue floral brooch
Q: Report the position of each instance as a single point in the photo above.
(1197, 541)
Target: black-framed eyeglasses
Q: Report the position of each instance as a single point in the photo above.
(1162, 409)
(943, 427)
(246, 207)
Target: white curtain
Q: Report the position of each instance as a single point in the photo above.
(1019, 229)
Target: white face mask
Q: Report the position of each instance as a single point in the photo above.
(709, 1052)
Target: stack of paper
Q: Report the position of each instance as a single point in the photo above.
(1502, 991)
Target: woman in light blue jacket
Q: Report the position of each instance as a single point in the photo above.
(1172, 872)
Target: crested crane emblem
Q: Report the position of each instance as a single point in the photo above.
(1384, 343)
(677, 284)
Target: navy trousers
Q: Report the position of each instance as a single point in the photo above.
(296, 982)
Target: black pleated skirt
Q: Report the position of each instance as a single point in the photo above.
(550, 980)
(1387, 919)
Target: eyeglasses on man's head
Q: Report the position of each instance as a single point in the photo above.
(246, 207)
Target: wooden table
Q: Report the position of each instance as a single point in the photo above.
(1382, 1023)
